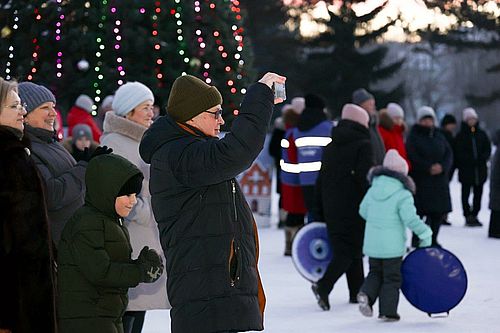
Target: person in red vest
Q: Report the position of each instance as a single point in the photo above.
(81, 113)
(392, 129)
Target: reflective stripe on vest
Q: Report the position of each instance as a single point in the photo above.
(311, 141)
(310, 145)
(300, 167)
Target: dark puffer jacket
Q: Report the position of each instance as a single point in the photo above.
(207, 229)
(95, 268)
(425, 147)
(63, 178)
(342, 182)
(27, 278)
(472, 151)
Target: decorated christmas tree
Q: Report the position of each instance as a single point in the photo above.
(92, 47)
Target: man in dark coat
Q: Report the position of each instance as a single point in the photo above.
(341, 185)
(63, 177)
(27, 277)
(206, 227)
(366, 100)
(472, 151)
(448, 127)
(431, 158)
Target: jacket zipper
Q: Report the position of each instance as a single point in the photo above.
(234, 200)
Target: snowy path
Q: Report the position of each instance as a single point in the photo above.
(291, 307)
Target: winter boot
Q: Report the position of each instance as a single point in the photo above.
(364, 305)
(472, 221)
(288, 242)
(289, 235)
(323, 302)
(389, 318)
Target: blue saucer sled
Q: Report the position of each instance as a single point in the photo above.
(434, 280)
(311, 251)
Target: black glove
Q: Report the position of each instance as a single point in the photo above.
(101, 150)
(150, 264)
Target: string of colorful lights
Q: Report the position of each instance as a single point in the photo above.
(59, 62)
(36, 47)
(11, 49)
(100, 48)
(119, 60)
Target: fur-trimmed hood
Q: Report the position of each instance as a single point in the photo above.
(121, 125)
(377, 171)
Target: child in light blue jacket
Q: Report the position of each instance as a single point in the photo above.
(388, 209)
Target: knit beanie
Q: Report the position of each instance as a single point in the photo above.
(34, 95)
(394, 110)
(468, 113)
(355, 113)
(298, 104)
(314, 102)
(448, 119)
(361, 95)
(80, 131)
(84, 102)
(395, 162)
(129, 95)
(425, 112)
(191, 96)
(133, 185)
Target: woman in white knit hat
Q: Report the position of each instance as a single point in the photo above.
(123, 129)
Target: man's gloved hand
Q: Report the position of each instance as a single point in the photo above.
(150, 264)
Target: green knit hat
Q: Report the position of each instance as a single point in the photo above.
(191, 96)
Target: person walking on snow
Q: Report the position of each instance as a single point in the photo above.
(388, 209)
(341, 185)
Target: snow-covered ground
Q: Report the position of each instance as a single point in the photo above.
(291, 306)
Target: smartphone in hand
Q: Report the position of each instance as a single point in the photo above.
(279, 91)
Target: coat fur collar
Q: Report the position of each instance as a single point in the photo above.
(123, 126)
(408, 183)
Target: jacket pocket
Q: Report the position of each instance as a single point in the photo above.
(234, 263)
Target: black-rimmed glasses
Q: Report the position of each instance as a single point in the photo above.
(216, 114)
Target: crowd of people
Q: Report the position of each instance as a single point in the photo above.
(133, 212)
(93, 224)
(369, 177)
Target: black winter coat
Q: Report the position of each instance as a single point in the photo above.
(495, 174)
(425, 147)
(472, 151)
(206, 227)
(342, 181)
(27, 284)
